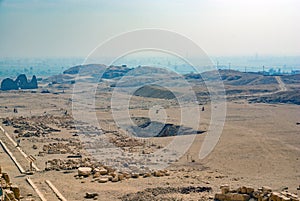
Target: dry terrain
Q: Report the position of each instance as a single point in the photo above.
(259, 145)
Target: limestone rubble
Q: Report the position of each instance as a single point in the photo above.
(246, 193)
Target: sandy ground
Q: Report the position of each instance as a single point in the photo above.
(259, 146)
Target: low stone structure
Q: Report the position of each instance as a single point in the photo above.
(71, 147)
(247, 193)
(103, 174)
(11, 192)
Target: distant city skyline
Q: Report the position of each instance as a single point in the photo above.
(65, 28)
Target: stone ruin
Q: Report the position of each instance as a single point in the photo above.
(246, 193)
(86, 167)
(20, 83)
(69, 164)
(11, 192)
(71, 147)
(25, 128)
(103, 174)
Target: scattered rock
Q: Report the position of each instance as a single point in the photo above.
(84, 171)
(115, 179)
(153, 193)
(249, 194)
(266, 189)
(224, 188)
(103, 171)
(103, 180)
(135, 175)
(91, 195)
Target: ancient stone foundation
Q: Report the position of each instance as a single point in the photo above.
(247, 193)
(11, 192)
(104, 174)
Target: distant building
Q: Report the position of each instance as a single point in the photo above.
(294, 72)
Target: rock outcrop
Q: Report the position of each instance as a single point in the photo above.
(20, 83)
(8, 84)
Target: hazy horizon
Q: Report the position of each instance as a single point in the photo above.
(67, 28)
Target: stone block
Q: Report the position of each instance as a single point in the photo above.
(147, 174)
(249, 190)
(96, 175)
(239, 197)
(115, 179)
(224, 188)
(220, 197)
(84, 171)
(121, 176)
(103, 171)
(284, 198)
(6, 177)
(103, 180)
(16, 190)
(266, 189)
(244, 190)
(135, 175)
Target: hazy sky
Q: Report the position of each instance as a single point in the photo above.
(34, 28)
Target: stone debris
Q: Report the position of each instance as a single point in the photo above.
(125, 141)
(87, 167)
(46, 124)
(71, 147)
(247, 193)
(130, 144)
(31, 126)
(103, 180)
(70, 164)
(156, 194)
(11, 192)
(101, 173)
(91, 195)
(84, 171)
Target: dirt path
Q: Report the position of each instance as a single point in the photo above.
(282, 86)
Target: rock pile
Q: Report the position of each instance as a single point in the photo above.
(157, 194)
(71, 147)
(70, 164)
(130, 144)
(28, 127)
(103, 174)
(40, 125)
(11, 192)
(245, 193)
(125, 141)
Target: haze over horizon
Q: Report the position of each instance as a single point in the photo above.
(65, 28)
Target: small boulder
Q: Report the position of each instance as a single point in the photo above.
(103, 180)
(84, 171)
(224, 188)
(266, 189)
(115, 179)
(103, 171)
(90, 195)
(135, 175)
